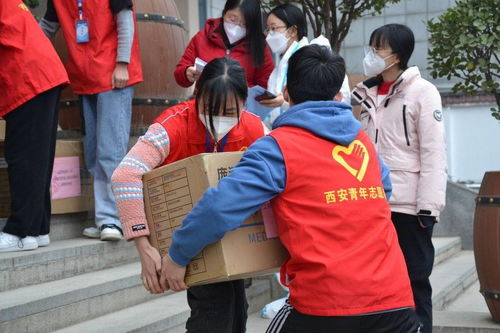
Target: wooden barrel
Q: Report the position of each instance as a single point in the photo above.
(487, 241)
(162, 40)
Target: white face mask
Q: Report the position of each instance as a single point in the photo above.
(222, 125)
(277, 41)
(234, 32)
(373, 64)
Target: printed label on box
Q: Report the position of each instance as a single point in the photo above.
(170, 201)
(66, 178)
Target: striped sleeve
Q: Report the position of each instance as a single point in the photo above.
(149, 152)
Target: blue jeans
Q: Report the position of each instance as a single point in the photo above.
(107, 117)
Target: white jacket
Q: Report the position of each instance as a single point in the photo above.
(277, 79)
(408, 133)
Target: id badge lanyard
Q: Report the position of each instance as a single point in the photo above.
(222, 143)
(81, 25)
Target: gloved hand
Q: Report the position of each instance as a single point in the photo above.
(425, 219)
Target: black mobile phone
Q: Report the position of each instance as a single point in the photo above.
(265, 95)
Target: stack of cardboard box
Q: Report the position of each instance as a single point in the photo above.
(78, 199)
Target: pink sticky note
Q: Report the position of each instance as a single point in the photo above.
(269, 221)
(66, 178)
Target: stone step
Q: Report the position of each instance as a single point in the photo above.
(463, 322)
(469, 300)
(445, 247)
(52, 305)
(65, 226)
(451, 278)
(467, 313)
(62, 259)
(165, 314)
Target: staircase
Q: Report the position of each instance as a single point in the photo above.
(85, 285)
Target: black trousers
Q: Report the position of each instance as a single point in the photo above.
(217, 308)
(418, 251)
(30, 143)
(289, 320)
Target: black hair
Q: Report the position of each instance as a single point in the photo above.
(293, 17)
(253, 24)
(399, 38)
(221, 79)
(314, 74)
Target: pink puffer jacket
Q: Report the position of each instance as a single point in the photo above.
(408, 133)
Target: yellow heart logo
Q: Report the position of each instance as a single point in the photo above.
(359, 150)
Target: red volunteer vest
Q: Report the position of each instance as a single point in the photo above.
(29, 65)
(187, 134)
(90, 65)
(334, 220)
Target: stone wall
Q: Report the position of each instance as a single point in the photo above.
(457, 219)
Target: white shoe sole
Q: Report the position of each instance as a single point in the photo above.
(91, 235)
(16, 248)
(111, 237)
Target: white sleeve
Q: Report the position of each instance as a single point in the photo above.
(346, 92)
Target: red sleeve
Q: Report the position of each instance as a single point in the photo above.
(263, 72)
(186, 60)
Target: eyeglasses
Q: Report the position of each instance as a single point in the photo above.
(235, 20)
(374, 50)
(274, 28)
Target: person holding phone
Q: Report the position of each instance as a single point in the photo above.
(212, 122)
(401, 112)
(238, 35)
(287, 33)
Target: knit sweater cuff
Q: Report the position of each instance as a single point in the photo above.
(134, 229)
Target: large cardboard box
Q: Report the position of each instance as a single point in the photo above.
(79, 203)
(172, 190)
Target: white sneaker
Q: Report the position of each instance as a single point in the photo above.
(10, 243)
(92, 232)
(111, 232)
(43, 240)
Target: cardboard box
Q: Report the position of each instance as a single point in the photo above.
(85, 201)
(172, 190)
(81, 203)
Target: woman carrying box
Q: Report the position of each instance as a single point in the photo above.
(212, 122)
